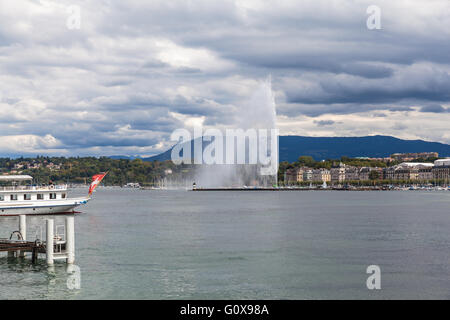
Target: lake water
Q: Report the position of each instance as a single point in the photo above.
(136, 244)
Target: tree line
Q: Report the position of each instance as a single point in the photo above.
(81, 169)
(122, 171)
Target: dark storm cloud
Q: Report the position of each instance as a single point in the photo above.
(323, 123)
(434, 108)
(367, 71)
(315, 110)
(416, 83)
(135, 70)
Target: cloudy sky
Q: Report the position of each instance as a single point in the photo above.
(126, 74)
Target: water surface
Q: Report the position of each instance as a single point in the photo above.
(136, 244)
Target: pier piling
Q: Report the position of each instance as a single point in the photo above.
(49, 243)
(55, 247)
(23, 226)
(23, 232)
(70, 239)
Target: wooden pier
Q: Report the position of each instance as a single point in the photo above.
(19, 248)
(56, 247)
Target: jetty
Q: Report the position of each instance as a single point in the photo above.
(294, 189)
(59, 246)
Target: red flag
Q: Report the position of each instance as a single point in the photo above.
(96, 179)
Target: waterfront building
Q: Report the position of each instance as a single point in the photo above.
(294, 175)
(388, 173)
(288, 176)
(308, 174)
(426, 174)
(442, 162)
(351, 173)
(338, 173)
(364, 173)
(441, 170)
(408, 171)
(344, 173)
(322, 175)
(441, 173)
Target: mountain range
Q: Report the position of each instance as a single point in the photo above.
(291, 147)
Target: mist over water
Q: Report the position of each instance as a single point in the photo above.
(258, 113)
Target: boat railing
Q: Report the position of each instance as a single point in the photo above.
(34, 188)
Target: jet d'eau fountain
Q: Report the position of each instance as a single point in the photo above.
(243, 155)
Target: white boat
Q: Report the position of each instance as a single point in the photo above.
(135, 185)
(18, 199)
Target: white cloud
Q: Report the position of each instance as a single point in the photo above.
(188, 122)
(179, 56)
(29, 144)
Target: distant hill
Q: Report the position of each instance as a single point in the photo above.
(291, 147)
(120, 157)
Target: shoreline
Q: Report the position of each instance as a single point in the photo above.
(318, 189)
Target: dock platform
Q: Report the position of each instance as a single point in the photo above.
(292, 189)
(20, 247)
(55, 246)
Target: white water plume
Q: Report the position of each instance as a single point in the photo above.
(258, 113)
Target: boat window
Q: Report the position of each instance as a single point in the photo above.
(2, 197)
(52, 195)
(40, 196)
(13, 197)
(27, 196)
(63, 196)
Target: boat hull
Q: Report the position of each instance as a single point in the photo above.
(41, 207)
